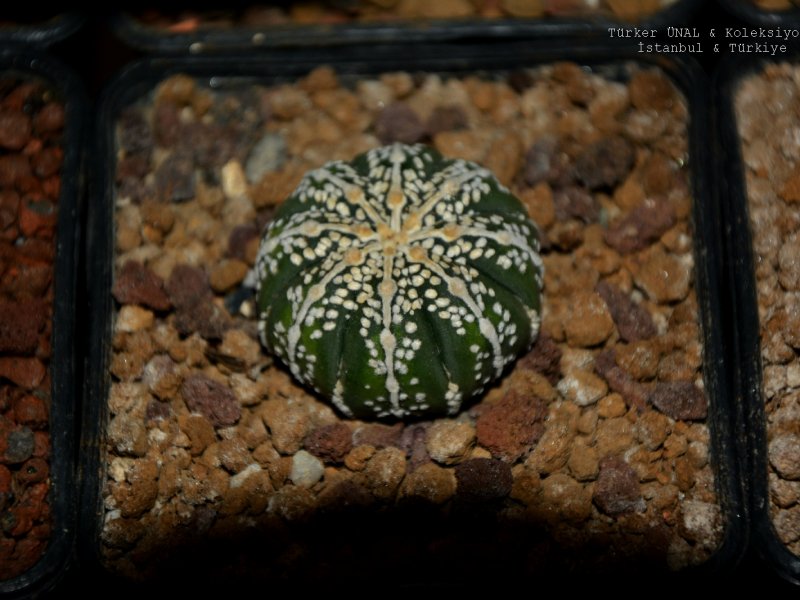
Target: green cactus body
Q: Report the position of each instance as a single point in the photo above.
(399, 284)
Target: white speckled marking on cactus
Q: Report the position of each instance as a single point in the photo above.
(387, 256)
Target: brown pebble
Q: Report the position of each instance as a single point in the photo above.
(681, 400)
(544, 358)
(617, 489)
(632, 320)
(640, 227)
(589, 322)
(652, 90)
(619, 380)
(227, 274)
(27, 373)
(604, 163)
(378, 435)
(384, 472)
(483, 480)
(30, 410)
(21, 324)
(15, 129)
(399, 123)
(331, 443)
(430, 483)
(211, 399)
(136, 284)
(446, 118)
(511, 427)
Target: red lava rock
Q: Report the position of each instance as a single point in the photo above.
(136, 284)
(446, 118)
(239, 239)
(47, 162)
(157, 410)
(175, 181)
(544, 358)
(642, 226)
(681, 400)
(575, 202)
(378, 435)
(633, 392)
(399, 123)
(544, 161)
(31, 411)
(413, 442)
(25, 372)
(511, 427)
(483, 479)
(15, 129)
(20, 325)
(330, 443)
(604, 163)
(5, 483)
(32, 470)
(187, 285)
(211, 399)
(38, 250)
(49, 119)
(37, 216)
(41, 444)
(13, 167)
(633, 321)
(617, 489)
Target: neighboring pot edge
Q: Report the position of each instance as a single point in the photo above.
(62, 427)
(742, 287)
(149, 39)
(45, 33)
(143, 76)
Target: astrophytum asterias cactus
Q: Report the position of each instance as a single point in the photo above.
(399, 284)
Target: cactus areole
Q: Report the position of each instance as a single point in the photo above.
(399, 284)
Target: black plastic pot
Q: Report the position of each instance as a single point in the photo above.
(142, 77)
(216, 40)
(62, 427)
(44, 33)
(741, 273)
(747, 11)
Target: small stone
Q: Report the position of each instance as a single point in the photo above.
(234, 182)
(384, 472)
(21, 324)
(639, 359)
(288, 423)
(652, 429)
(582, 387)
(553, 449)
(136, 284)
(789, 264)
(604, 163)
(700, 521)
(307, 469)
(544, 358)
(239, 346)
(483, 480)
(27, 373)
(211, 399)
(583, 462)
(664, 278)
(510, 427)
(545, 162)
(30, 410)
(681, 400)
(267, 155)
(446, 118)
(430, 483)
(617, 489)
(589, 322)
(331, 443)
(575, 202)
(15, 129)
(448, 442)
(127, 435)
(567, 497)
(187, 285)
(619, 380)
(357, 458)
(787, 525)
(614, 436)
(641, 226)
(611, 406)
(650, 89)
(378, 435)
(175, 178)
(131, 318)
(399, 123)
(227, 274)
(17, 444)
(539, 202)
(240, 239)
(632, 320)
(162, 377)
(784, 455)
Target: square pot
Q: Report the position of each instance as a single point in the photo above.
(566, 455)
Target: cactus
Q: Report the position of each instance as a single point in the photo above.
(399, 284)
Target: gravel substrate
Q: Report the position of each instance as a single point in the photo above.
(767, 109)
(592, 453)
(31, 127)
